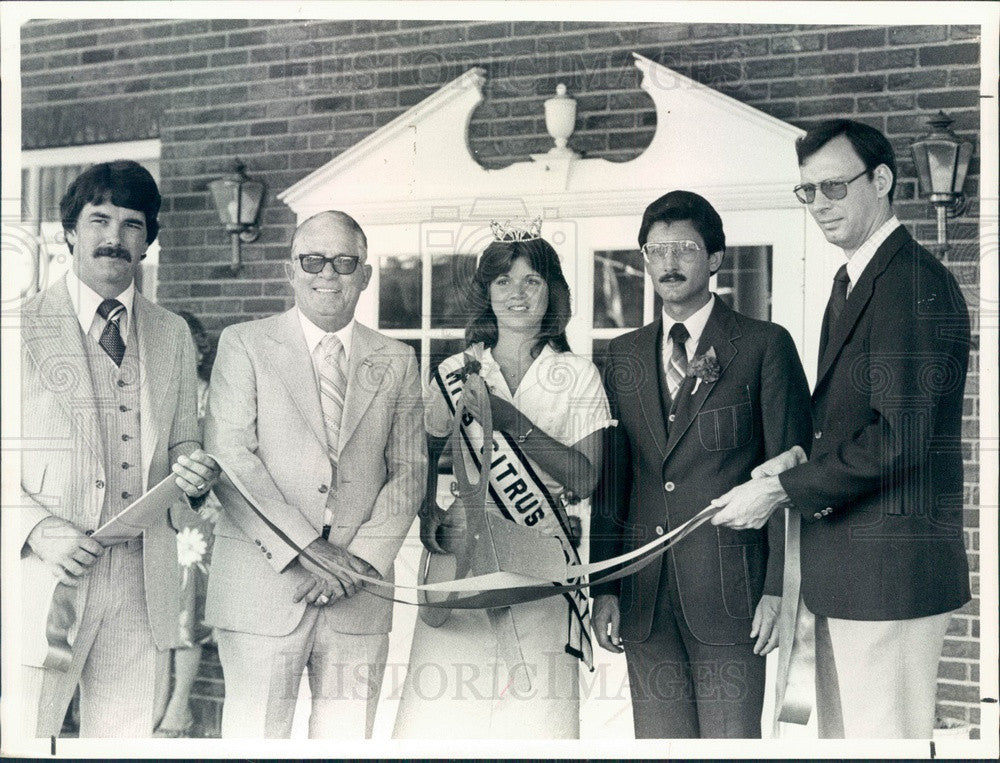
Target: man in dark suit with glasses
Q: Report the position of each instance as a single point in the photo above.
(880, 499)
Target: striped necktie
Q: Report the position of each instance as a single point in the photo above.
(678, 365)
(111, 310)
(332, 389)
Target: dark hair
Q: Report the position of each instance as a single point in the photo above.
(685, 205)
(495, 262)
(203, 342)
(871, 146)
(124, 183)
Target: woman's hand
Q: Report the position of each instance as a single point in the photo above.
(506, 417)
(432, 518)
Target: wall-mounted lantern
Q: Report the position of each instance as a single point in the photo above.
(238, 201)
(942, 160)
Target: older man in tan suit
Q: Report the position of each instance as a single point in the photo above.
(320, 418)
(108, 409)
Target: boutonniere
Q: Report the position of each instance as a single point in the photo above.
(705, 368)
(473, 361)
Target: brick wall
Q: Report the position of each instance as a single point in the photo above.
(288, 96)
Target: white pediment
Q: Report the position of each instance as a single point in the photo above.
(419, 166)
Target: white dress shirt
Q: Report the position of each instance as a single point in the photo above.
(86, 301)
(857, 263)
(695, 325)
(314, 335)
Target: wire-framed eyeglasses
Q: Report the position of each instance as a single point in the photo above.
(659, 251)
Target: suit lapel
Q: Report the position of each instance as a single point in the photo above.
(52, 338)
(720, 333)
(157, 363)
(367, 366)
(860, 294)
(294, 367)
(647, 350)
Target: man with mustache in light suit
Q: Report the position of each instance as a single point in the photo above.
(109, 393)
(321, 420)
(702, 396)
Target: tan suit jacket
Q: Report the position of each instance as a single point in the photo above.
(265, 422)
(62, 472)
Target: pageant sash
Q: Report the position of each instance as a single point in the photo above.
(518, 492)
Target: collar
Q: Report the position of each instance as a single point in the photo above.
(314, 334)
(86, 301)
(695, 325)
(859, 260)
(491, 371)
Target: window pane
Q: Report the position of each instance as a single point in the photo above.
(744, 280)
(451, 286)
(444, 348)
(618, 284)
(399, 293)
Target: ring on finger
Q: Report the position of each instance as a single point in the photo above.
(323, 600)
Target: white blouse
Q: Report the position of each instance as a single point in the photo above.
(561, 393)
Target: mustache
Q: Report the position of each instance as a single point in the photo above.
(114, 252)
(671, 277)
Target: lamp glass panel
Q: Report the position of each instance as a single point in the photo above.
(224, 196)
(941, 162)
(253, 192)
(964, 156)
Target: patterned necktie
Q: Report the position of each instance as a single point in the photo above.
(678, 366)
(834, 308)
(332, 390)
(111, 310)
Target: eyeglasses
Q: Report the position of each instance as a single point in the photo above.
(345, 264)
(658, 252)
(834, 190)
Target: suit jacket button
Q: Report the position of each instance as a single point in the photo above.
(817, 515)
(818, 434)
(659, 530)
(323, 488)
(257, 541)
(99, 484)
(669, 487)
(268, 554)
(671, 417)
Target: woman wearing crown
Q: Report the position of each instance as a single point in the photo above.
(548, 410)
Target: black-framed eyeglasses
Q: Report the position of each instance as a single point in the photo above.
(658, 252)
(834, 190)
(345, 264)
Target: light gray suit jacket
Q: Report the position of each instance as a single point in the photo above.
(62, 459)
(265, 422)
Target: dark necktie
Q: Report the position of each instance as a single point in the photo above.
(111, 310)
(678, 366)
(835, 307)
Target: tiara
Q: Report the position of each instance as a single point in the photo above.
(517, 229)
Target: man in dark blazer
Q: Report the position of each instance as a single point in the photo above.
(880, 500)
(703, 395)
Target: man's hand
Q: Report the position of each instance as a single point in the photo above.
(765, 624)
(67, 551)
(748, 506)
(196, 474)
(605, 620)
(327, 587)
(780, 463)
